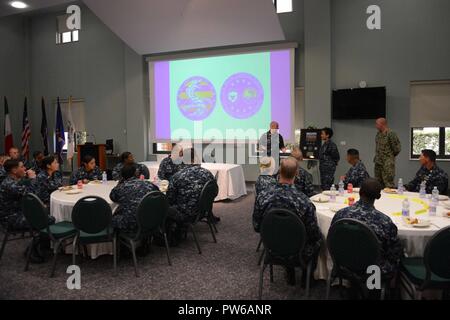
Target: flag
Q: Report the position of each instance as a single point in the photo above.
(59, 134)
(71, 132)
(8, 130)
(26, 133)
(44, 128)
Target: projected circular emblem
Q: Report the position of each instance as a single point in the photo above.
(242, 95)
(196, 98)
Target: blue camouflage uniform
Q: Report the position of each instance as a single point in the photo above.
(265, 182)
(11, 193)
(356, 175)
(184, 192)
(45, 185)
(3, 174)
(140, 170)
(329, 159)
(304, 182)
(82, 174)
(384, 228)
(284, 196)
(168, 168)
(34, 165)
(129, 194)
(436, 177)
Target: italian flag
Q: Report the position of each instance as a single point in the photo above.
(8, 131)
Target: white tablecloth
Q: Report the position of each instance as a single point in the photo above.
(414, 239)
(61, 205)
(230, 178)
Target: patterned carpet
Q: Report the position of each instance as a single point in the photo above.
(226, 270)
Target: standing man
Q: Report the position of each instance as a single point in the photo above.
(387, 148)
(272, 142)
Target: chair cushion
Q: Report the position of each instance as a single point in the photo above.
(93, 238)
(415, 270)
(61, 229)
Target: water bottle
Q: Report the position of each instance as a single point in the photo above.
(333, 194)
(423, 190)
(104, 178)
(433, 206)
(435, 194)
(341, 188)
(400, 186)
(405, 208)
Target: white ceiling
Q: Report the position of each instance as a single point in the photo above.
(6, 9)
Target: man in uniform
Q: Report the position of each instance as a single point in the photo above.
(285, 195)
(172, 164)
(3, 173)
(387, 148)
(185, 189)
(128, 194)
(358, 172)
(14, 154)
(266, 179)
(127, 158)
(35, 164)
(381, 224)
(48, 180)
(303, 180)
(430, 173)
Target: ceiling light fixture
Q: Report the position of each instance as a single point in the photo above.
(18, 4)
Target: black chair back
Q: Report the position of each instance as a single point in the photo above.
(35, 212)
(207, 197)
(437, 254)
(283, 233)
(152, 213)
(353, 246)
(92, 215)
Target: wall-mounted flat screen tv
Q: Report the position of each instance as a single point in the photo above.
(367, 103)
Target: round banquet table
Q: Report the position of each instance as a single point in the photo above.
(61, 205)
(414, 239)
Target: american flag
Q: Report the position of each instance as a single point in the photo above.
(26, 133)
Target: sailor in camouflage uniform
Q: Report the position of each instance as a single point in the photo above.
(17, 184)
(172, 164)
(185, 189)
(285, 195)
(87, 172)
(3, 173)
(128, 194)
(329, 159)
(430, 173)
(381, 224)
(357, 174)
(35, 164)
(48, 180)
(14, 154)
(127, 158)
(303, 180)
(266, 179)
(387, 148)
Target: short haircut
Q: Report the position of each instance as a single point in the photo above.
(124, 156)
(371, 189)
(297, 153)
(87, 158)
(128, 171)
(47, 161)
(289, 168)
(9, 165)
(430, 154)
(328, 131)
(37, 154)
(353, 152)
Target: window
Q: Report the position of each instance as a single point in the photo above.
(283, 6)
(434, 138)
(64, 34)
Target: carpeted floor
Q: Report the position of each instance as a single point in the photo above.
(226, 270)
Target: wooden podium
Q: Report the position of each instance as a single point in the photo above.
(98, 151)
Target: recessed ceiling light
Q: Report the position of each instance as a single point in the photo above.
(18, 4)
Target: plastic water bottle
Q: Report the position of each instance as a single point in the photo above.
(433, 207)
(341, 188)
(104, 178)
(435, 194)
(333, 194)
(423, 190)
(400, 186)
(405, 208)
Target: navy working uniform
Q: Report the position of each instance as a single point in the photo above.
(184, 192)
(82, 174)
(168, 168)
(140, 170)
(436, 177)
(383, 227)
(3, 174)
(45, 185)
(265, 182)
(11, 193)
(129, 194)
(329, 159)
(304, 182)
(284, 196)
(356, 175)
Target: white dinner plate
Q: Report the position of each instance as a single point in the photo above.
(72, 192)
(446, 204)
(321, 199)
(443, 198)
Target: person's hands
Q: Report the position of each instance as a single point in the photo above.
(31, 174)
